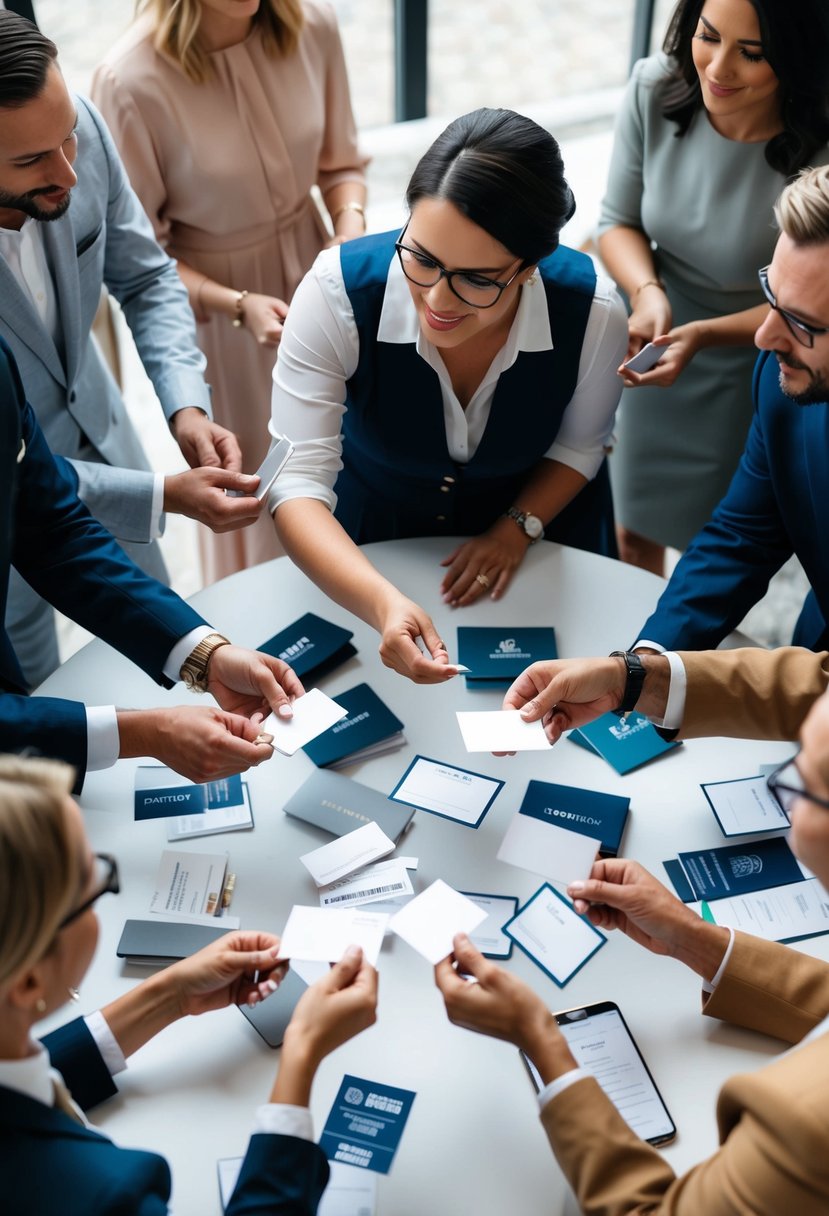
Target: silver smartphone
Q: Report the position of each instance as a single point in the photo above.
(602, 1044)
(269, 469)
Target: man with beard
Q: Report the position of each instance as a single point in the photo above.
(778, 502)
(69, 224)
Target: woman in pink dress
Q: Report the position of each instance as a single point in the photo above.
(226, 114)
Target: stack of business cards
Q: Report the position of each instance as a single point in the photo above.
(338, 805)
(495, 657)
(312, 646)
(625, 743)
(191, 810)
(369, 728)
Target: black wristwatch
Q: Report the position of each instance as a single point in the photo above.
(633, 683)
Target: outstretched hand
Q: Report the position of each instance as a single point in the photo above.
(565, 693)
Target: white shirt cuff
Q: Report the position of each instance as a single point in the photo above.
(103, 743)
(675, 704)
(106, 1042)
(650, 645)
(718, 974)
(280, 1119)
(183, 647)
(157, 507)
(560, 1084)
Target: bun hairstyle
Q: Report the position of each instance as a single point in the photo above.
(503, 172)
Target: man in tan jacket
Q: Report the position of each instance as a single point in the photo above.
(773, 1158)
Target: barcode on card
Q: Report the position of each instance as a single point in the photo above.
(392, 886)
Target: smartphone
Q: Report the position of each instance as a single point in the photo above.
(646, 358)
(269, 469)
(270, 1018)
(602, 1044)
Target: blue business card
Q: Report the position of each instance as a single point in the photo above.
(735, 869)
(368, 723)
(312, 646)
(499, 655)
(153, 801)
(625, 743)
(366, 1123)
(602, 816)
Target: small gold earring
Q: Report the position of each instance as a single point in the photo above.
(533, 279)
(40, 1005)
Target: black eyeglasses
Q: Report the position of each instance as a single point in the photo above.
(786, 785)
(474, 289)
(106, 882)
(801, 331)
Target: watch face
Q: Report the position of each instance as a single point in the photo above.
(533, 527)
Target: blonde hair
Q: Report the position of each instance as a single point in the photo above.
(41, 869)
(176, 31)
(802, 210)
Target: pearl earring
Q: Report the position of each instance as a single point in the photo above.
(40, 1005)
(74, 994)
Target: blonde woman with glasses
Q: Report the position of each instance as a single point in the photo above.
(51, 1160)
(226, 113)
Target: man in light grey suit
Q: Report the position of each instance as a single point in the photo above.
(70, 224)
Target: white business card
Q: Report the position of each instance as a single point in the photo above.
(548, 850)
(347, 854)
(553, 935)
(323, 935)
(500, 730)
(430, 921)
(379, 882)
(313, 714)
(446, 790)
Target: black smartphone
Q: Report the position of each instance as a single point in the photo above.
(270, 1018)
(602, 1044)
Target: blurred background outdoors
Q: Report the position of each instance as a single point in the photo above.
(563, 62)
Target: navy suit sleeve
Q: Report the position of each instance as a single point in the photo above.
(74, 1053)
(727, 567)
(280, 1176)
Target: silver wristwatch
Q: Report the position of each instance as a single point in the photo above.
(530, 525)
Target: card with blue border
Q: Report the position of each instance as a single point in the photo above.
(446, 790)
(366, 1123)
(496, 656)
(489, 936)
(625, 743)
(312, 646)
(553, 935)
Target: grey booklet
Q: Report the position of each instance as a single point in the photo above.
(339, 805)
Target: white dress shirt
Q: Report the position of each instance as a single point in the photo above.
(319, 352)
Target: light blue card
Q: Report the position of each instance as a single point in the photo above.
(553, 935)
(446, 790)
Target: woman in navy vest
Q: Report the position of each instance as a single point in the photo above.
(456, 378)
(52, 1163)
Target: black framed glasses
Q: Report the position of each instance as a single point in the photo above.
(787, 785)
(801, 331)
(476, 290)
(106, 883)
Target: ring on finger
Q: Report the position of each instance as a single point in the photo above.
(482, 579)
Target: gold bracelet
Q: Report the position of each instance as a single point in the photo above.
(352, 206)
(647, 283)
(239, 320)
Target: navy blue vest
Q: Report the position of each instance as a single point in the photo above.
(398, 478)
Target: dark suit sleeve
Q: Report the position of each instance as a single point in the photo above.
(74, 1053)
(280, 1176)
(729, 563)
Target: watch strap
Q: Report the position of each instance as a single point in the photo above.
(634, 680)
(194, 669)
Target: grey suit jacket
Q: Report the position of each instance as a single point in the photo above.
(104, 238)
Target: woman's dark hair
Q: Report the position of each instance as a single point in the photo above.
(795, 41)
(503, 172)
(25, 58)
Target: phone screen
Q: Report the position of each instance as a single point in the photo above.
(599, 1039)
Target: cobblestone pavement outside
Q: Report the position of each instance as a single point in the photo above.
(481, 52)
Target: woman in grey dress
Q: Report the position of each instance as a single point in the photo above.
(709, 132)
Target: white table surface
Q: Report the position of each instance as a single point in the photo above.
(473, 1142)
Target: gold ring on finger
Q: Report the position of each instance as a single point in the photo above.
(482, 579)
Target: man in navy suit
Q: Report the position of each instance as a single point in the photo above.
(50, 538)
(778, 501)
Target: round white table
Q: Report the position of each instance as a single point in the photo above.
(473, 1142)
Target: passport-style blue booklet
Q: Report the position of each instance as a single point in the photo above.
(339, 805)
(625, 743)
(161, 793)
(496, 656)
(735, 869)
(366, 1123)
(368, 729)
(312, 646)
(602, 816)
